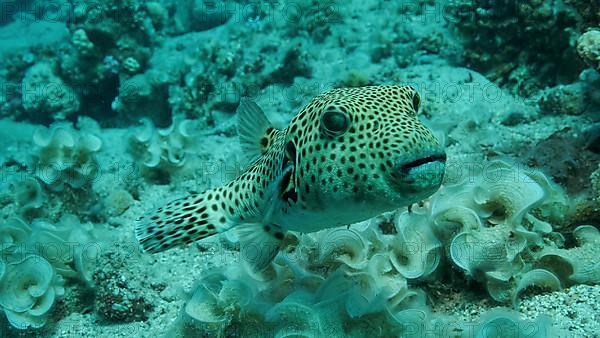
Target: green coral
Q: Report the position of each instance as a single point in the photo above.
(28, 290)
(488, 225)
(161, 152)
(576, 265)
(64, 155)
(35, 261)
(29, 197)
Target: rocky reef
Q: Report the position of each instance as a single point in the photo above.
(506, 39)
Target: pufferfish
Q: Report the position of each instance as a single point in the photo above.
(349, 155)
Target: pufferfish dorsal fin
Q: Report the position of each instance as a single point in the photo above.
(254, 129)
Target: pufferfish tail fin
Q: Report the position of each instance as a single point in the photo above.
(180, 222)
(253, 129)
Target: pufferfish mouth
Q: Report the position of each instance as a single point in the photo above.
(421, 175)
(405, 169)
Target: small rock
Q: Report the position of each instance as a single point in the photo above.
(118, 202)
(588, 48)
(569, 99)
(513, 119)
(131, 65)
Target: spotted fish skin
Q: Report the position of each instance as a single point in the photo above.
(349, 155)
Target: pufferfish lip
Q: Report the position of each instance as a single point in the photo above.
(422, 174)
(406, 168)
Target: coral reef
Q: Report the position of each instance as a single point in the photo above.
(109, 43)
(118, 66)
(45, 96)
(504, 39)
(198, 82)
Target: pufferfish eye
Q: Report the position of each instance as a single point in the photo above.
(334, 122)
(416, 102)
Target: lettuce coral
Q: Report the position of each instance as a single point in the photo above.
(487, 225)
(162, 151)
(344, 246)
(13, 232)
(65, 155)
(28, 289)
(29, 197)
(577, 265)
(68, 245)
(34, 262)
(506, 323)
(415, 250)
(327, 282)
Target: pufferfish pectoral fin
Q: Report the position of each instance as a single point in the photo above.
(259, 244)
(253, 129)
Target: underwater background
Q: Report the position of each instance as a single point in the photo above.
(111, 108)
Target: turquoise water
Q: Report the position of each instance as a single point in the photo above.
(463, 202)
